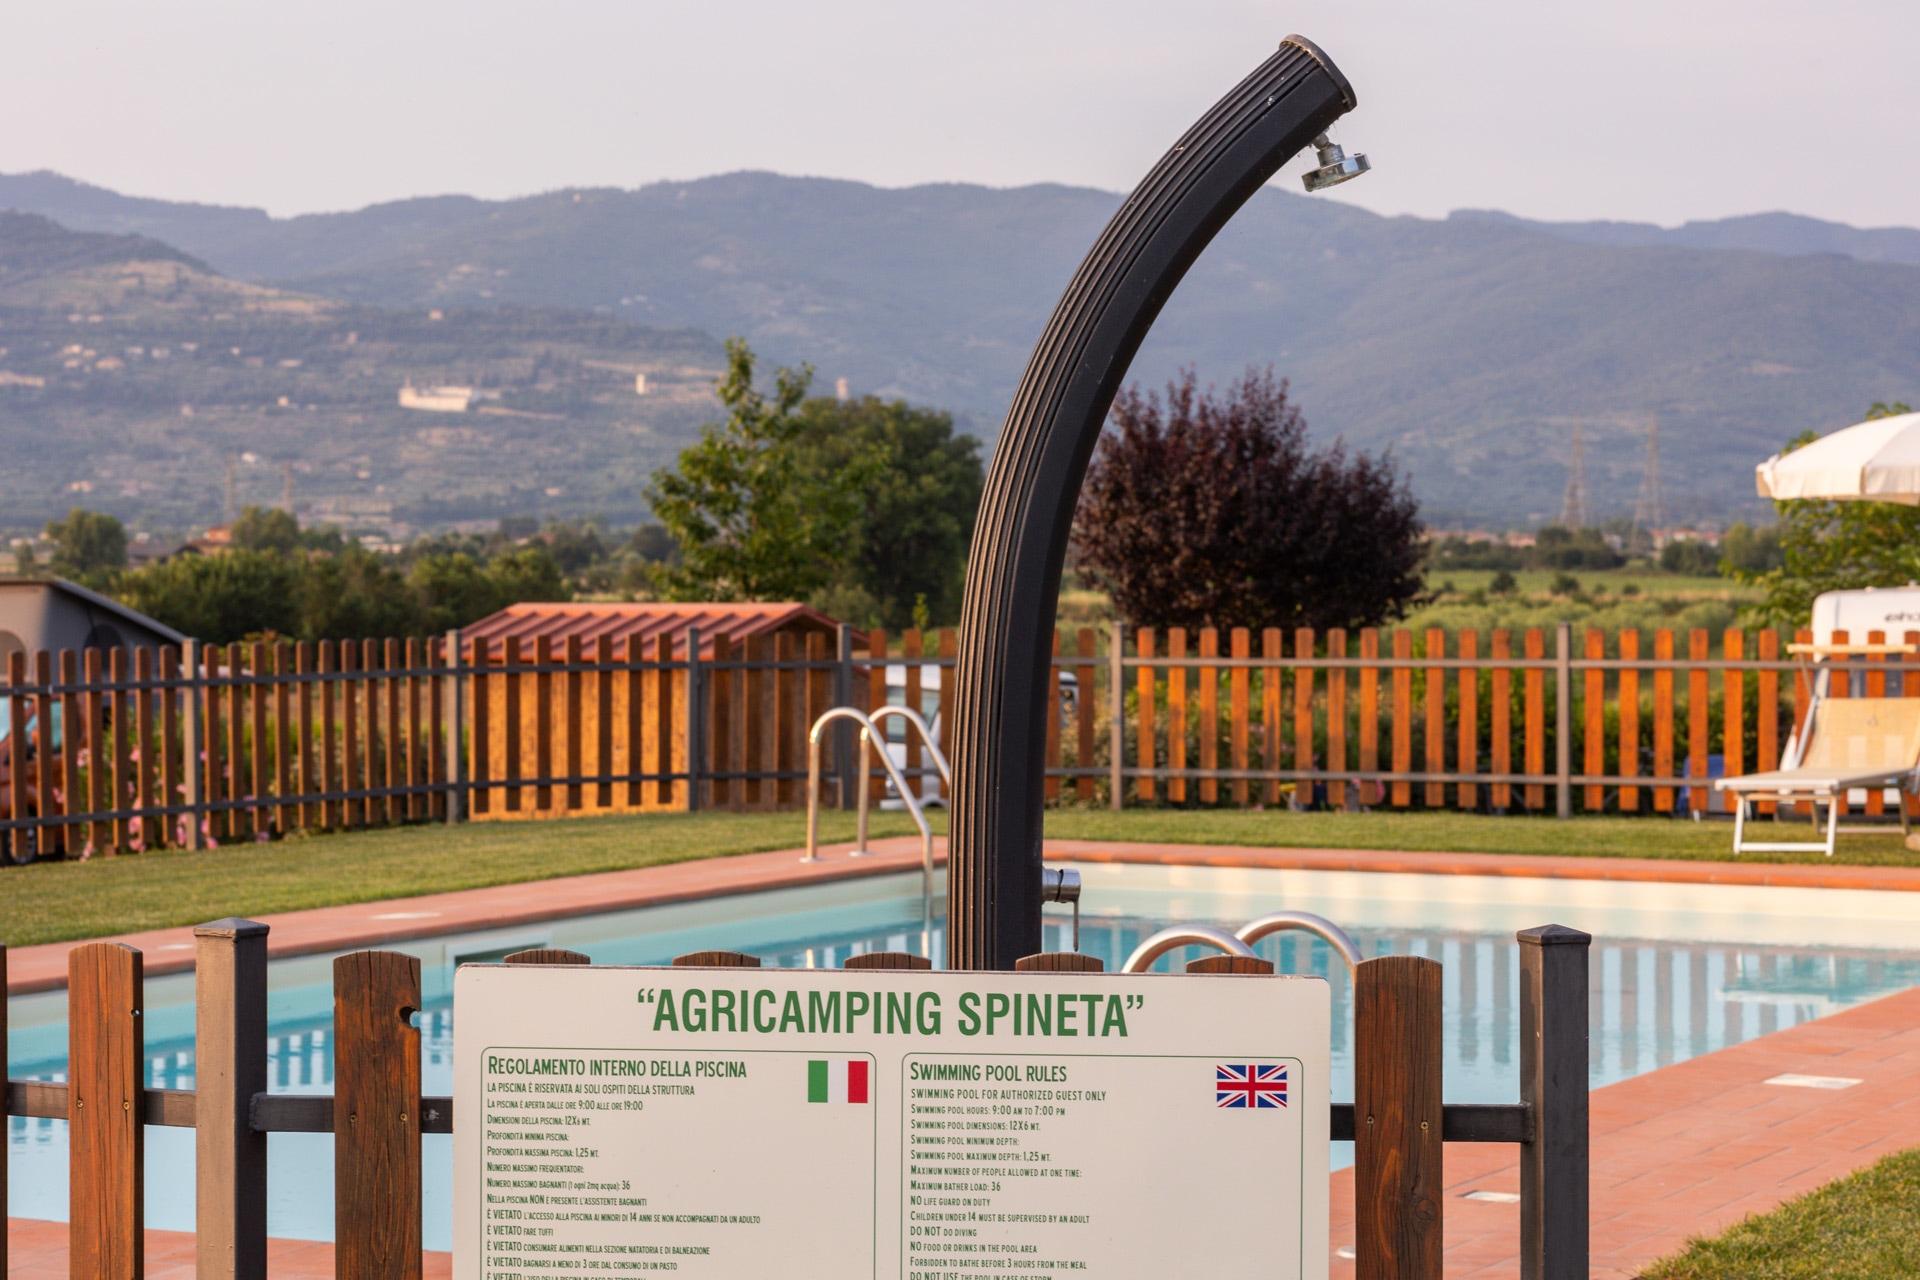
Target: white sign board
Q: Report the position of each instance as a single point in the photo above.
(742, 1124)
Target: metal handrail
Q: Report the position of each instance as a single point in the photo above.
(1304, 922)
(913, 807)
(1183, 935)
(867, 737)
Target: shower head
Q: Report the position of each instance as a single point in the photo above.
(1336, 166)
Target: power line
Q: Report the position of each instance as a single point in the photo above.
(1650, 512)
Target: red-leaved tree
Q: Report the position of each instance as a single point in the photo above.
(1209, 510)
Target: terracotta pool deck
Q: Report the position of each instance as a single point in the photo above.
(1684, 1150)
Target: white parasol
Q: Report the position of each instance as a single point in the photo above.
(1878, 461)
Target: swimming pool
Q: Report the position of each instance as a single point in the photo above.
(1677, 971)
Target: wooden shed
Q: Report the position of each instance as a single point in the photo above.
(563, 721)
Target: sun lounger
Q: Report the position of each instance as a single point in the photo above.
(1848, 744)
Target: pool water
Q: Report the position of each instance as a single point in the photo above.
(1671, 978)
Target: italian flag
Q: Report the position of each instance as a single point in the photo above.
(837, 1080)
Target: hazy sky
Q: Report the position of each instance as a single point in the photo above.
(1634, 109)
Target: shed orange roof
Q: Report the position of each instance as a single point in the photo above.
(644, 622)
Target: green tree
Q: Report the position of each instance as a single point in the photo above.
(267, 529)
(917, 505)
(527, 574)
(219, 598)
(1832, 546)
(452, 589)
(355, 595)
(751, 518)
(88, 546)
(1745, 548)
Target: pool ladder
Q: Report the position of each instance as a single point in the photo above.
(1240, 941)
(1058, 884)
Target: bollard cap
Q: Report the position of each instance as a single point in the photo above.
(231, 927)
(1553, 935)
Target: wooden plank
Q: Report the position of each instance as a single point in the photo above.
(1337, 719)
(1398, 1185)
(1467, 748)
(645, 689)
(716, 960)
(603, 763)
(1052, 787)
(876, 698)
(949, 654)
(911, 682)
(373, 731)
(1839, 685)
(1435, 729)
(1209, 714)
(1534, 646)
(1593, 707)
(50, 784)
(1240, 646)
(99, 764)
(333, 814)
(1177, 714)
(419, 758)
(543, 722)
(1230, 964)
(230, 1067)
(512, 768)
(1500, 717)
(20, 767)
(1303, 695)
(120, 721)
(720, 733)
(1876, 681)
(480, 761)
(106, 1136)
(1146, 684)
(1629, 750)
(394, 735)
(897, 960)
(1370, 792)
(664, 737)
(1083, 711)
(146, 751)
(376, 1098)
(1698, 727)
(72, 837)
(1767, 727)
(757, 740)
(445, 706)
(789, 753)
(573, 685)
(1273, 711)
(1402, 793)
(1663, 797)
(259, 758)
(550, 955)
(239, 777)
(819, 698)
(1058, 962)
(1733, 710)
(285, 815)
(350, 746)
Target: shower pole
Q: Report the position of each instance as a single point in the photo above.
(1020, 536)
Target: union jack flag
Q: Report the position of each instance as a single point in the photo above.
(1250, 1085)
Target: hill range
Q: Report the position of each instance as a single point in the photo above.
(1469, 346)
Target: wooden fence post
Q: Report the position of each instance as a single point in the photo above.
(376, 1113)
(696, 721)
(454, 707)
(190, 738)
(230, 1057)
(1116, 717)
(887, 960)
(1563, 719)
(1397, 1187)
(843, 770)
(547, 955)
(106, 1134)
(1553, 1086)
(1059, 962)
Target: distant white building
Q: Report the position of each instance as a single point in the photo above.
(436, 399)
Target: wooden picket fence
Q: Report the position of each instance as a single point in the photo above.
(377, 1113)
(241, 742)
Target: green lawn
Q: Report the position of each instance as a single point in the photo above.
(53, 901)
(1863, 1227)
